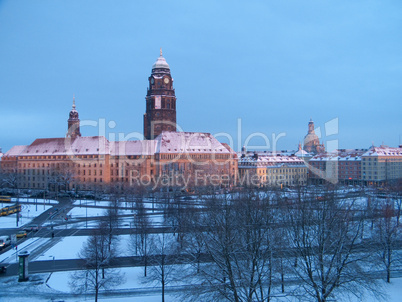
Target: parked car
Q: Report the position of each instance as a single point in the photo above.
(21, 234)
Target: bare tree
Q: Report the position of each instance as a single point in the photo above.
(174, 214)
(11, 179)
(112, 220)
(324, 237)
(97, 273)
(239, 241)
(140, 239)
(165, 251)
(388, 234)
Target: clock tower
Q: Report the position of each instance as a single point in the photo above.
(160, 113)
(73, 122)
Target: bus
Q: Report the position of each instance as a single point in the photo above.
(5, 198)
(5, 211)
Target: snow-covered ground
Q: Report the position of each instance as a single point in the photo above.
(69, 247)
(98, 209)
(55, 286)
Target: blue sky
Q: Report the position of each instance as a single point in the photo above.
(272, 64)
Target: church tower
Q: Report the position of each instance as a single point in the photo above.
(160, 114)
(311, 140)
(73, 123)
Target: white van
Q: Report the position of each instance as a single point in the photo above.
(4, 241)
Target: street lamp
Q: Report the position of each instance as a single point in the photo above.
(54, 264)
(86, 215)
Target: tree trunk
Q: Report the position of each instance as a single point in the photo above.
(163, 277)
(145, 258)
(282, 277)
(96, 294)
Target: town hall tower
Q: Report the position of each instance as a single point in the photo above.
(160, 114)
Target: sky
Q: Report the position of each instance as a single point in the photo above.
(250, 72)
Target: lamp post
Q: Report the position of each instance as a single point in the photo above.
(86, 215)
(54, 264)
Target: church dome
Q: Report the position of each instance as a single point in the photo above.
(160, 62)
(311, 138)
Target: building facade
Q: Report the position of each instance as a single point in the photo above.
(381, 164)
(273, 170)
(373, 166)
(340, 166)
(165, 158)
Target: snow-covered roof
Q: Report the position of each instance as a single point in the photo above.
(188, 142)
(166, 142)
(262, 161)
(160, 63)
(340, 155)
(15, 151)
(126, 148)
(67, 146)
(302, 153)
(383, 151)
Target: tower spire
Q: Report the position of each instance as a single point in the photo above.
(160, 51)
(73, 102)
(73, 123)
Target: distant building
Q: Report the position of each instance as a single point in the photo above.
(165, 159)
(374, 166)
(311, 141)
(272, 169)
(381, 164)
(343, 166)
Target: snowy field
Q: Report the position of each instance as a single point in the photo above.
(98, 209)
(69, 247)
(55, 287)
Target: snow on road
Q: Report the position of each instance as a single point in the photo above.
(28, 212)
(28, 245)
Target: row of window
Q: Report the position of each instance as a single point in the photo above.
(56, 165)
